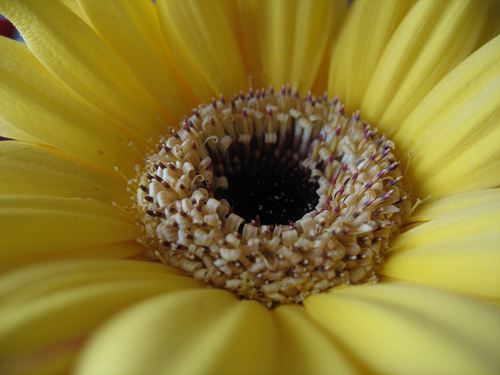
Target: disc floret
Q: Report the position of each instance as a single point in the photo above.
(338, 199)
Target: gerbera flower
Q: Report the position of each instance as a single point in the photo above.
(268, 230)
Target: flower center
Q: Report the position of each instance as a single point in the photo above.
(267, 189)
(272, 196)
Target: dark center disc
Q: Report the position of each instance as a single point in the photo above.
(270, 191)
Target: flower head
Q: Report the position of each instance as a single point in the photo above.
(146, 227)
(272, 196)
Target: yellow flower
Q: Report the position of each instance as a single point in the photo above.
(98, 81)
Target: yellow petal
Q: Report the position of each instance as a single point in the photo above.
(189, 67)
(433, 38)
(75, 8)
(276, 39)
(117, 250)
(41, 226)
(32, 102)
(444, 252)
(492, 26)
(452, 92)
(47, 323)
(12, 132)
(128, 249)
(206, 36)
(403, 329)
(132, 29)
(250, 23)
(463, 223)
(36, 281)
(316, 23)
(476, 166)
(27, 169)
(294, 37)
(320, 84)
(449, 206)
(453, 134)
(467, 266)
(188, 332)
(403, 48)
(75, 54)
(363, 37)
(305, 349)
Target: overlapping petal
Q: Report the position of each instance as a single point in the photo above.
(250, 23)
(294, 37)
(365, 34)
(432, 39)
(203, 35)
(408, 329)
(37, 108)
(316, 25)
(34, 227)
(452, 137)
(455, 248)
(304, 347)
(29, 169)
(133, 30)
(187, 332)
(75, 7)
(48, 311)
(75, 54)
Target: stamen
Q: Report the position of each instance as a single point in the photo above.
(122, 175)
(132, 146)
(272, 197)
